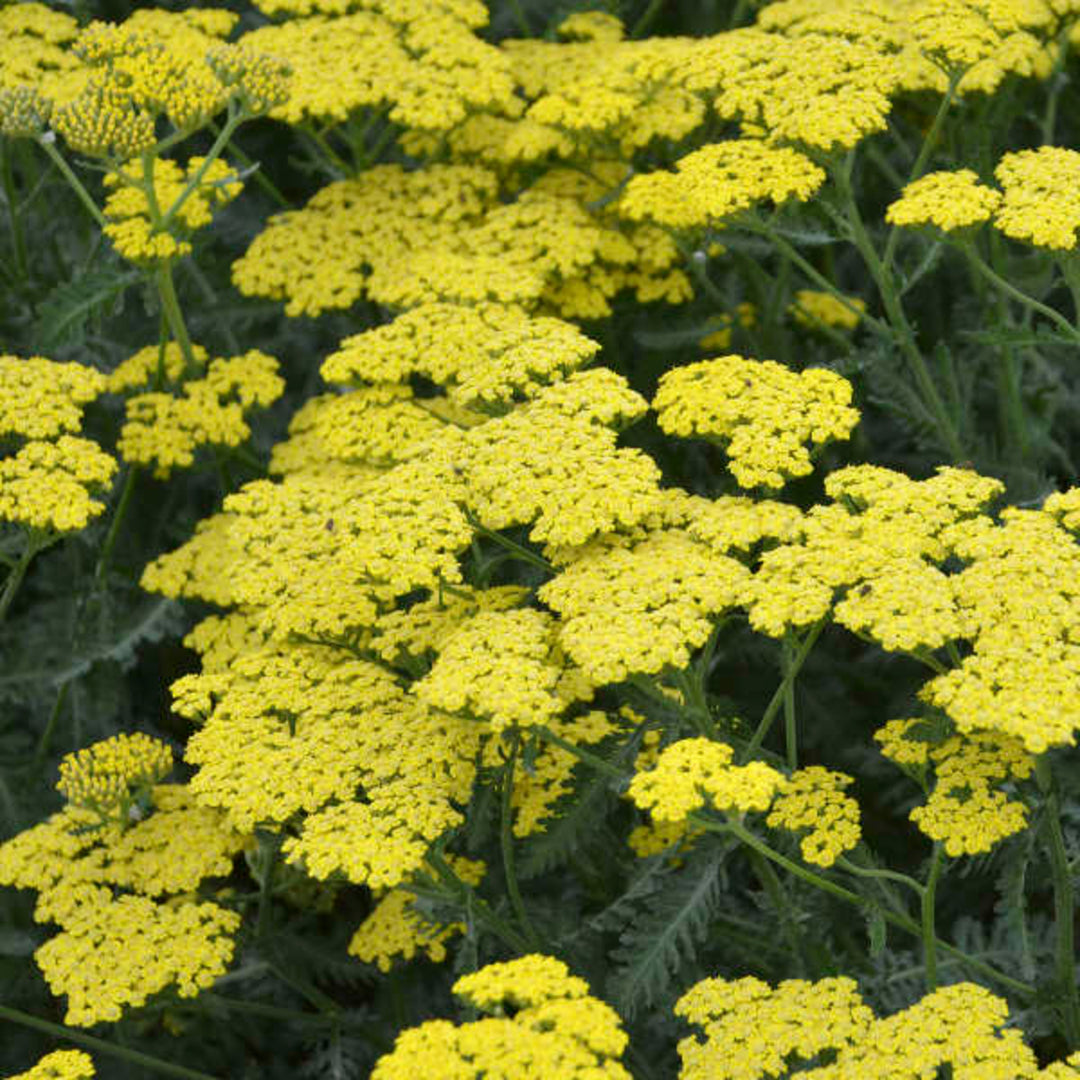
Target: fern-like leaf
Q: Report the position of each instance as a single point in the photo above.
(667, 931)
(74, 306)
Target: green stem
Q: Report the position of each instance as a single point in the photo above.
(18, 240)
(879, 873)
(594, 761)
(335, 164)
(479, 907)
(262, 922)
(819, 279)
(47, 144)
(16, 575)
(929, 935)
(779, 697)
(114, 526)
(1014, 293)
(520, 552)
(771, 882)
(59, 1031)
(261, 178)
(236, 118)
(50, 727)
(647, 18)
(519, 16)
(894, 311)
(791, 730)
(819, 882)
(927, 148)
(171, 306)
(506, 839)
(1064, 902)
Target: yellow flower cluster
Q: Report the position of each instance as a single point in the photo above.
(118, 953)
(1041, 204)
(422, 65)
(486, 356)
(35, 53)
(504, 667)
(164, 430)
(752, 1032)
(949, 200)
(396, 930)
(49, 485)
(1018, 605)
(720, 181)
(40, 399)
(104, 777)
(812, 309)
(643, 606)
(813, 798)
(185, 197)
(693, 773)
(61, 1065)
(555, 1030)
(154, 364)
(116, 950)
(321, 257)
(878, 540)
(967, 809)
(765, 413)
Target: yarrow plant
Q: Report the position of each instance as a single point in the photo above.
(539, 540)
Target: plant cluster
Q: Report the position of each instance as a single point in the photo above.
(540, 539)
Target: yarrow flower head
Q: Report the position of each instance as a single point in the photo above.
(109, 775)
(752, 1031)
(720, 181)
(61, 1065)
(1041, 202)
(555, 1028)
(50, 486)
(967, 808)
(949, 200)
(41, 399)
(812, 799)
(694, 773)
(765, 414)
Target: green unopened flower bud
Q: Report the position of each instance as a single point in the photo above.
(24, 112)
(103, 123)
(259, 81)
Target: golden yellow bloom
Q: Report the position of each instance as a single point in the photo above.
(395, 930)
(555, 1029)
(123, 951)
(49, 485)
(949, 200)
(485, 355)
(752, 1031)
(1041, 204)
(104, 777)
(719, 181)
(40, 398)
(812, 308)
(499, 666)
(693, 773)
(141, 368)
(61, 1065)
(642, 607)
(813, 799)
(165, 430)
(765, 413)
